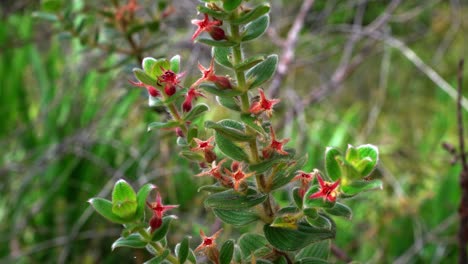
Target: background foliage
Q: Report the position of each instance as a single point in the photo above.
(72, 125)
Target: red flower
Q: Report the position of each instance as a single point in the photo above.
(275, 146)
(237, 174)
(212, 27)
(208, 242)
(191, 95)
(215, 170)
(208, 74)
(305, 179)
(203, 145)
(158, 211)
(170, 80)
(129, 8)
(263, 105)
(327, 190)
(151, 90)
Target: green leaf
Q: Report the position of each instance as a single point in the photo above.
(230, 5)
(161, 232)
(237, 254)
(51, 5)
(227, 251)
(229, 103)
(320, 222)
(155, 67)
(132, 241)
(143, 77)
(249, 63)
(124, 200)
(104, 208)
(291, 240)
(183, 249)
(251, 121)
(236, 217)
(192, 133)
(256, 28)
(221, 15)
(262, 72)
(232, 200)
(249, 243)
(251, 15)
(311, 213)
(297, 198)
(141, 198)
(159, 125)
(196, 112)
(175, 63)
(216, 43)
(230, 149)
(214, 188)
(316, 202)
(159, 259)
(285, 176)
(213, 89)
(358, 186)
(230, 129)
(340, 210)
(285, 221)
(371, 152)
(193, 156)
(312, 260)
(181, 141)
(222, 55)
(332, 166)
(319, 250)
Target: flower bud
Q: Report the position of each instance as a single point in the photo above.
(217, 33)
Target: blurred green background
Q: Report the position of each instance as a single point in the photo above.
(71, 125)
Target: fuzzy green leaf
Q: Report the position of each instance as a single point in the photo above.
(230, 149)
(332, 165)
(196, 112)
(213, 89)
(291, 240)
(132, 241)
(175, 63)
(371, 152)
(214, 188)
(230, 5)
(256, 28)
(124, 200)
(251, 15)
(221, 15)
(340, 210)
(230, 129)
(251, 121)
(159, 259)
(229, 103)
(227, 251)
(143, 77)
(358, 186)
(104, 208)
(283, 177)
(159, 125)
(320, 250)
(297, 198)
(222, 55)
(320, 222)
(161, 232)
(141, 198)
(236, 217)
(232, 200)
(193, 156)
(262, 72)
(216, 43)
(249, 63)
(183, 250)
(249, 243)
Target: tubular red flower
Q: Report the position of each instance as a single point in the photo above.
(327, 190)
(208, 75)
(207, 242)
(158, 209)
(151, 90)
(237, 174)
(263, 105)
(191, 95)
(170, 80)
(275, 145)
(212, 27)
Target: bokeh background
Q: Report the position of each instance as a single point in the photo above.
(363, 71)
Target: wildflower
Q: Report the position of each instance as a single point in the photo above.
(215, 170)
(151, 90)
(327, 190)
(208, 74)
(158, 209)
(207, 147)
(170, 80)
(305, 178)
(130, 8)
(263, 105)
(191, 95)
(208, 242)
(275, 146)
(212, 27)
(237, 174)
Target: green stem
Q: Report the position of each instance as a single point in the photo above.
(245, 106)
(156, 245)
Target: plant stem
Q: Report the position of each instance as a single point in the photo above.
(245, 106)
(171, 258)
